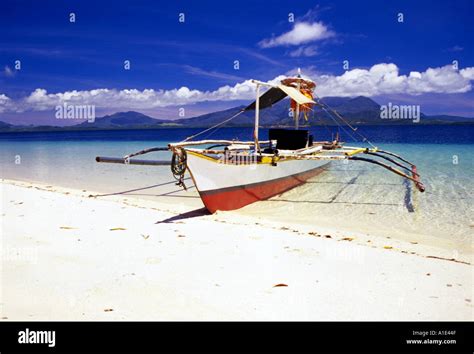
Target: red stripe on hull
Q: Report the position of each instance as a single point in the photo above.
(237, 197)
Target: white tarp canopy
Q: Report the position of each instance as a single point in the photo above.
(295, 94)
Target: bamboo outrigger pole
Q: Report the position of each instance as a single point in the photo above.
(121, 160)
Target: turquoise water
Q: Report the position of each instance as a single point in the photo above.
(353, 196)
(360, 197)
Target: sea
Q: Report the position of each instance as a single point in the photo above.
(352, 196)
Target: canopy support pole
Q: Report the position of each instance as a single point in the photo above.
(297, 112)
(257, 112)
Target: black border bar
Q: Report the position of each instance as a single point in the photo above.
(241, 336)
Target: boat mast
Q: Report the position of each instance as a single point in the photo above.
(257, 111)
(297, 112)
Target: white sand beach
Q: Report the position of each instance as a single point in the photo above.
(69, 256)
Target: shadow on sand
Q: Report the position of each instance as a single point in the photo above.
(188, 215)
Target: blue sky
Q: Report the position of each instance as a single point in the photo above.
(58, 56)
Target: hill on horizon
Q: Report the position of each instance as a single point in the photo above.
(359, 110)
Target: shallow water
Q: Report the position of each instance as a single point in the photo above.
(351, 196)
(360, 197)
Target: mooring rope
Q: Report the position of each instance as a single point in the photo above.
(339, 125)
(324, 106)
(179, 166)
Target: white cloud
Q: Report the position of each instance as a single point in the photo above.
(467, 73)
(309, 51)
(41, 100)
(302, 32)
(380, 79)
(4, 103)
(385, 78)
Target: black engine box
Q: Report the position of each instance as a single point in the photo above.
(288, 139)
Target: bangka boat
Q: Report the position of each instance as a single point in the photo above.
(229, 174)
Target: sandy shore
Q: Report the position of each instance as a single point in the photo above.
(69, 256)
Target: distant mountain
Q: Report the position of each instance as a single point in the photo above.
(4, 125)
(361, 109)
(129, 119)
(443, 118)
(213, 118)
(351, 105)
(357, 111)
(268, 116)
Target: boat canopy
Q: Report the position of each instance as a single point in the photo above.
(277, 93)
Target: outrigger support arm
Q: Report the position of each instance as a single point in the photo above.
(146, 151)
(391, 160)
(415, 178)
(397, 156)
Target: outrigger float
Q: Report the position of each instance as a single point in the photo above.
(230, 174)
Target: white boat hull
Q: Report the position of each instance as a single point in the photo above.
(227, 186)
